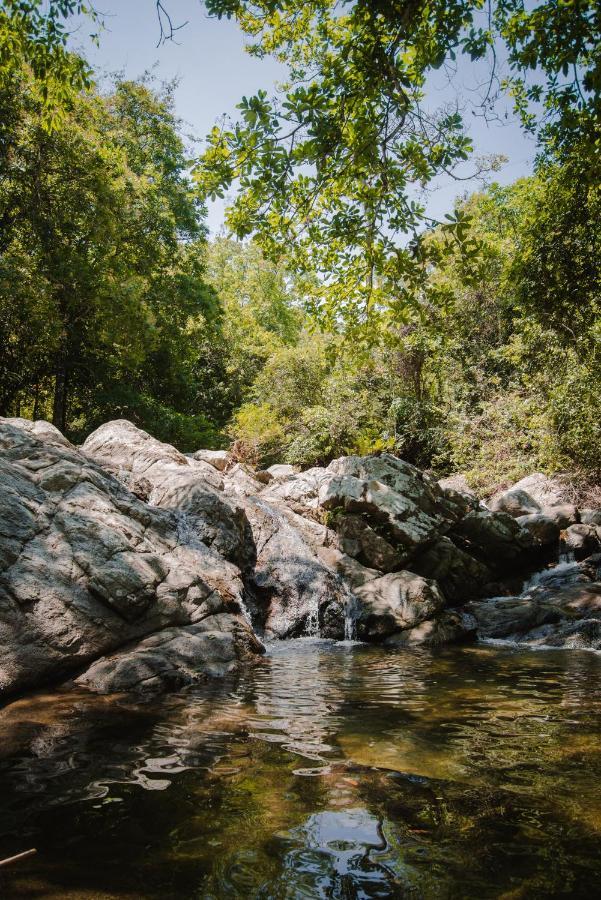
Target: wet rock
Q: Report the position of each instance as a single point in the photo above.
(582, 540)
(543, 528)
(175, 657)
(291, 588)
(394, 602)
(452, 626)
(460, 576)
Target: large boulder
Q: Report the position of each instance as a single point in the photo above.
(87, 567)
(494, 538)
(460, 576)
(396, 602)
(292, 590)
(540, 489)
(170, 480)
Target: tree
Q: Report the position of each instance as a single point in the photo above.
(326, 170)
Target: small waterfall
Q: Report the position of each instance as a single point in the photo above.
(350, 619)
(565, 561)
(312, 623)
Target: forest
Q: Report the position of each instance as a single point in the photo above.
(469, 344)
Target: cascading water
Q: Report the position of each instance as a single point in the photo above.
(565, 562)
(350, 619)
(187, 536)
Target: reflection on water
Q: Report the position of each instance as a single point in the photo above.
(328, 771)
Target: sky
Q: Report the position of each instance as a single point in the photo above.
(214, 72)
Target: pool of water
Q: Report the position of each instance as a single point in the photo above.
(334, 771)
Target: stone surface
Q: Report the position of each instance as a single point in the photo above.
(395, 602)
(515, 502)
(87, 567)
(171, 480)
(495, 538)
(543, 528)
(452, 626)
(219, 459)
(460, 576)
(582, 540)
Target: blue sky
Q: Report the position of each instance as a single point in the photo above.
(214, 71)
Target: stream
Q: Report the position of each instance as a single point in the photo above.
(327, 771)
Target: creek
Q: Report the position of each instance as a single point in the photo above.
(328, 770)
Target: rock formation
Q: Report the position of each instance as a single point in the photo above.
(126, 564)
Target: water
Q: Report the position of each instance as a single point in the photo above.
(334, 771)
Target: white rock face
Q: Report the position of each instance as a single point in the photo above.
(219, 459)
(86, 566)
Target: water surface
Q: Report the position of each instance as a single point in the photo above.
(329, 771)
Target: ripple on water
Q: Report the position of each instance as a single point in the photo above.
(328, 771)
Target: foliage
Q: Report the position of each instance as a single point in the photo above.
(33, 34)
(326, 170)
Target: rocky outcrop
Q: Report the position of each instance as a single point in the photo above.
(87, 567)
(129, 565)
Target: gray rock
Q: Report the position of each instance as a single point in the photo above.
(394, 602)
(86, 567)
(544, 490)
(582, 540)
(176, 657)
(359, 540)
(590, 517)
(452, 626)
(281, 471)
(173, 481)
(543, 528)
(219, 459)
(459, 575)
(496, 538)
(294, 591)
(515, 502)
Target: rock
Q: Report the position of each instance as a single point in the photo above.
(563, 515)
(173, 481)
(281, 471)
(543, 528)
(452, 626)
(515, 502)
(582, 540)
(495, 538)
(508, 617)
(219, 459)
(359, 540)
(544, 490)
(543, 611)
(459, 575)
(591, 517)
(293, 591)
(175, 657)
(456, 483)
(394, 602)
(87, 567)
